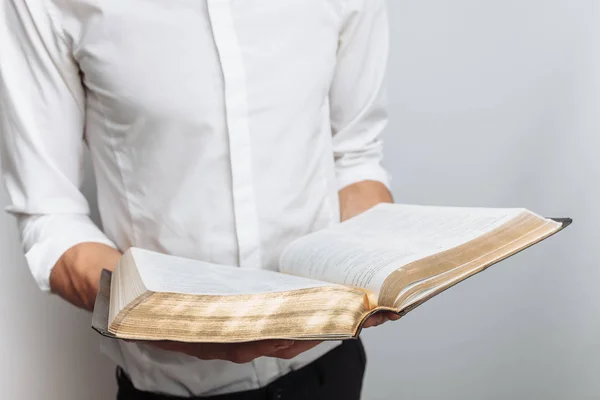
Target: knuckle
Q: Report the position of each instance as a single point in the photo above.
(242, 357)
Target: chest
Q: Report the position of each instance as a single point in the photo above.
(161, 57)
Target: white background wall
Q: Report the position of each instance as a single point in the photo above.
(494, 103)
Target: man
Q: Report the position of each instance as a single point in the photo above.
(219, 130)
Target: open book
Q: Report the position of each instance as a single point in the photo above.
(393, 257)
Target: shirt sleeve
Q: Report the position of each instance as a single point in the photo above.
(41, 137)
(358, 94)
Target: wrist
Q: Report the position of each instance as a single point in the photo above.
(76, 275)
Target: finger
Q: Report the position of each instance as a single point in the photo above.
(236, 352)
(375, 320)
(265, 347)
(166, 345)
(262, 345)
(393, 316)
(298, 348)
(204, 351)
(239, 353)
(242, 353)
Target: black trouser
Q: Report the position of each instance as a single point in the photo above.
(336, 375)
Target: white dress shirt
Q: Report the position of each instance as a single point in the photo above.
(219, 130)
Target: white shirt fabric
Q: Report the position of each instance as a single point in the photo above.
(219, 130)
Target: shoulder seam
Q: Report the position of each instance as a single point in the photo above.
(56, 25)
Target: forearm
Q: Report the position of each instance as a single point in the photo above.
(361, 196)
(76, 275)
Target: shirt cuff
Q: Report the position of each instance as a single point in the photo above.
(47, 237)
(364, 172)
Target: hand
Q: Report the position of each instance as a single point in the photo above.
(76, 275)
(239, 353)
(361, 196)
(380, 318)
(302, 346)
(354, 200)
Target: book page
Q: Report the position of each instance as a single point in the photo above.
(164, 273)
(364, 250)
